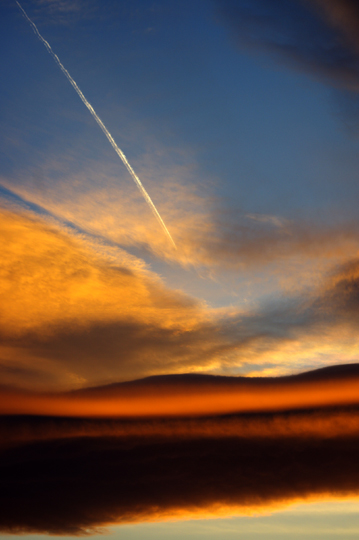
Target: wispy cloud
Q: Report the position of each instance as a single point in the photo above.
(208, 234)
(61, 12)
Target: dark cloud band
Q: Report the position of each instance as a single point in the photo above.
(75, 484)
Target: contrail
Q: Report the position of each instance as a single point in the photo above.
(102, 126)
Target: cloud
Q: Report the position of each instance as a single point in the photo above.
(209, 236)
(341, 293)
(75, 313)
(319, 326)
(318, 37)
(64, 12)
(76, 484)
(76, 317)
(59, 5)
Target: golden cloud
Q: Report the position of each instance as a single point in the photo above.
(74, 317)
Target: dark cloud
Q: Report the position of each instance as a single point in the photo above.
(124, 350)
(318, 37)
(315, 36)
(326, 312)
(76, 484)
(339, 299)
(252, 241)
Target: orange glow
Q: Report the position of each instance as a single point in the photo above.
(222, 511)
(168, 401)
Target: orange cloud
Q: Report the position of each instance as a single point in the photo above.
(69, 316)
(48, 278)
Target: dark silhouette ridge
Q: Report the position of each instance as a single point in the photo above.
(194, 395)
(185, 380)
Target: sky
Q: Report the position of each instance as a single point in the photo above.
(241, 120)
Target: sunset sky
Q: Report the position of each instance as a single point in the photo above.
(241, 119)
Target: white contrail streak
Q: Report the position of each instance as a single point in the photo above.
(102, 126)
